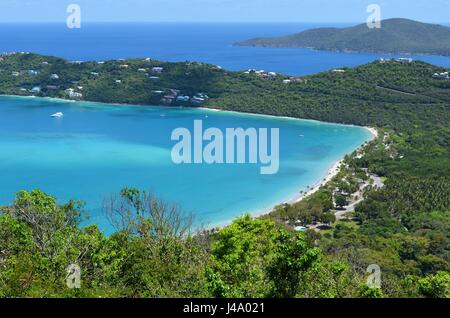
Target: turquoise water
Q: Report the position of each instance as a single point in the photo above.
(97, 149)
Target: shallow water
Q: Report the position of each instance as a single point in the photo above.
(97, 149)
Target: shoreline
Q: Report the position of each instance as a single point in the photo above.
(211, 109)
(346, 51)
(331, 173)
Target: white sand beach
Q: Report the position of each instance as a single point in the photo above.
(332, 172)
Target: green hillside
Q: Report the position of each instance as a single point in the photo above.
(394, 36)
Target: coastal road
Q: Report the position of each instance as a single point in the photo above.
(377, 183)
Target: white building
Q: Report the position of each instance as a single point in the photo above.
(403, 59)
(36, 89)
(157, 70)
(72, 94)
(441, 75)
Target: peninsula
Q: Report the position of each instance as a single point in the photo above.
(394, 36)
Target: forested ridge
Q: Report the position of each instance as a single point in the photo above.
(403, 227)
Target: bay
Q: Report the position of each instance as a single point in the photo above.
(97, 149)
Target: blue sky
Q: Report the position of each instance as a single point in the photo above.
(223, 10)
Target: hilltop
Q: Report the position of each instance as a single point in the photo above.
(394, 36)
(403, 227)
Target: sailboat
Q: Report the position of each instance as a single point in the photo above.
(57, 115)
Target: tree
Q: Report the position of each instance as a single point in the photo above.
(240, 254)
(292, 257)
(435, 286)
(43, 215)
(257, 258)
(370, 292)
(328, 218)
(138, 212)
(46, 232)
(163, 259)
(341, 200)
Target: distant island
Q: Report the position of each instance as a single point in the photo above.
(394, 36)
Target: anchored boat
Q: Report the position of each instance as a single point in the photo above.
(57, 115)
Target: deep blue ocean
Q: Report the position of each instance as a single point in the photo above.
(204, 42)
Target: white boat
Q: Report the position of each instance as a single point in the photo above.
(57, 115)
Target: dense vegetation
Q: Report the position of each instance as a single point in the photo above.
(394, 36)
(403, 227)
(154, 255)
